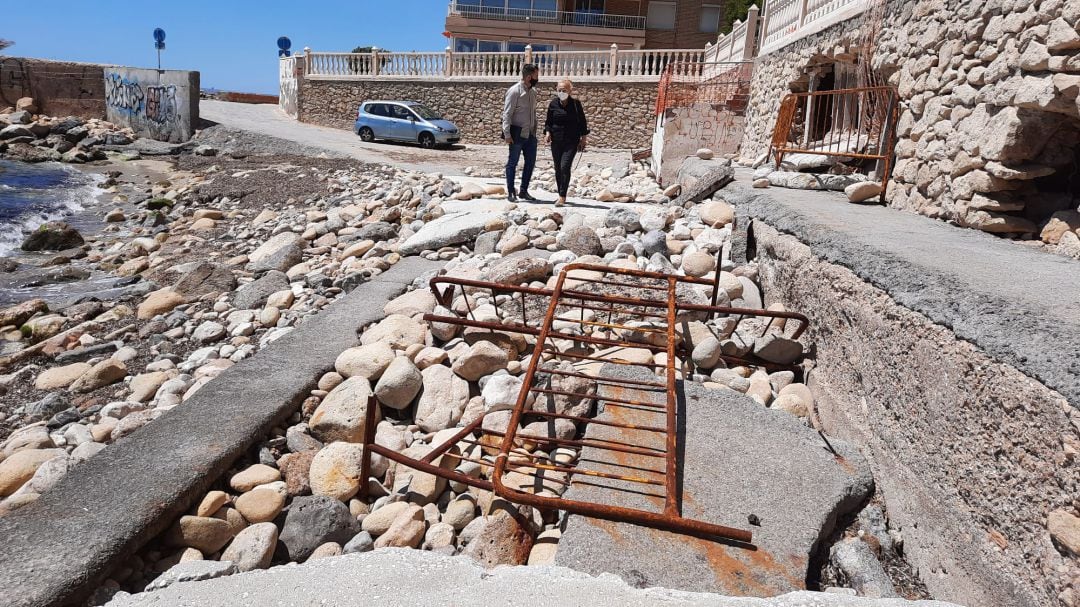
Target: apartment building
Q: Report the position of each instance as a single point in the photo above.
(508, 25)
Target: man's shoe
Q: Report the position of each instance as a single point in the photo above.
(511, 197)
(525, 195)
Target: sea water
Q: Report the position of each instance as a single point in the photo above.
(32, 194)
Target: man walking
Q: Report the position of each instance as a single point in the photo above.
(519, 130)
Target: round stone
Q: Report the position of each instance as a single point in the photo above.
(260, 505)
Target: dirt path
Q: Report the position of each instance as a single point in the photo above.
(268, 120)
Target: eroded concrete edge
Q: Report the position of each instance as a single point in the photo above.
(943, 424)
(56, 549)
(1039, 343)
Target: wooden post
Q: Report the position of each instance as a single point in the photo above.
(374, 61)
(448, 68)
(614, 59)
(750, 47)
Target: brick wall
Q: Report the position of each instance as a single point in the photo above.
(620, 114)
(685, 34)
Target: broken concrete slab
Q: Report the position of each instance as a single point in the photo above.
(700, 179)
(59, 548)
(433, 579)
(740, 461)
(450, 229)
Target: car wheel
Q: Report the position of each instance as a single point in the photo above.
(427, 140)
(366, 134)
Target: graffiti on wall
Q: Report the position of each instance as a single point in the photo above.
(123, 95)
(153, 109)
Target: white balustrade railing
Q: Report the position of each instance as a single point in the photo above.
(641, 65)
(786, 21)
(738, 45)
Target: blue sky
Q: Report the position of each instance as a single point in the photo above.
(232, 43)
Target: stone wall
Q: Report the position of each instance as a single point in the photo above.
(60, 88)
(969, 453)
(620, 114)
(160, 104)
(989, 123)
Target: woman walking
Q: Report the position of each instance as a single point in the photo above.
(566, 131)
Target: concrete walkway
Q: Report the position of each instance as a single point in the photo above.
(1018, 304)
(400, 576)
(58, 548)
(269, 120)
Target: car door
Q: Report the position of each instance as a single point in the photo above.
(378, 120)
(401, 125)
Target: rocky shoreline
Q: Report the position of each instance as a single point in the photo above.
(221, 253)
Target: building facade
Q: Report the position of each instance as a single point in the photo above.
(566, 25)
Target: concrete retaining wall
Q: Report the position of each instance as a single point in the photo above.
(61, 88)
(620, 115)
(967, 451)
(162, 105)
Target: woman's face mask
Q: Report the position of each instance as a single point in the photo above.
(563, 95)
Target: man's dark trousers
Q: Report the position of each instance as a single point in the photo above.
(523, 142)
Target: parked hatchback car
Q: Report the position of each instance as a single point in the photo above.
(404, 121)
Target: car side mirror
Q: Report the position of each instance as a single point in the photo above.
(412, 118)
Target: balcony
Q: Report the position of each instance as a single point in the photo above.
(546, 17)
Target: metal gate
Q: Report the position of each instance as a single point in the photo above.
(857, 123)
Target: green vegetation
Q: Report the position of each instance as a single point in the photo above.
(734, 9)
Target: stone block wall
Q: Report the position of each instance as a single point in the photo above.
(160, 104)
(61, 88)
(989, 123)
(621, 115)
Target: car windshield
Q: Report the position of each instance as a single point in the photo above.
(425, 112)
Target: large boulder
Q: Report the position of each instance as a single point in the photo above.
(580, 240)
(341, 414)
(254, 294)
(204, 278)
(443, 400)
(280, 253)
(399, 384)
(21, 312)
(53, 236)
(314, 520)
(517, 270)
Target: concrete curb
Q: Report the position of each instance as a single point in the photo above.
(1019, 305)
(58, 548)
(402, 576)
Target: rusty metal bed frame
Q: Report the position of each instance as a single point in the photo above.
(577, 312)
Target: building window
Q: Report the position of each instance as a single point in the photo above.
(661, 16)
(489, 46)
(589, 6)
(464, 45)
(710, 19)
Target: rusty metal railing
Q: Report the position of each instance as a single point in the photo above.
(570, 423)
(857, 123)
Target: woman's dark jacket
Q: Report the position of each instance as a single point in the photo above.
(566, 123)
